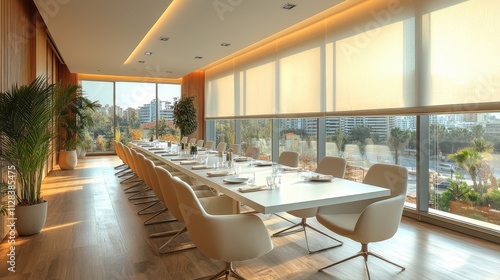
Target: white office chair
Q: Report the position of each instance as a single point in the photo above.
(221, 147)
(215, 205)
(253, 152)
(200, 143)
(192, 141)
(227, 238)
(235, 148)
(209, 145)
(369, 220)
(289, 158)
(334, 166)
(184, 140)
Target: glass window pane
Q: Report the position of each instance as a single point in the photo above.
(300, 135)
(167, 93)
(225, 132)
(135, 110)
(99, 137)
(464, 165)
(257, 133)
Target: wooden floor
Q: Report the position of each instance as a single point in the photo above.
(93, 232)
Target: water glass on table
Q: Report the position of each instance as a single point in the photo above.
(251, 179)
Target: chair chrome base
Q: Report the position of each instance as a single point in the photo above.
(227, 272)
(178, 248)
(364, 253)
(303, 223)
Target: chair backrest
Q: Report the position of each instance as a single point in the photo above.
(334, 166)
(380, 220)
(253, 152)
(393, 177)
(221, 147)
(153, 177)
(221, 237)
(192, 140)
(235, 148)
(168, 192)
(209, 145)
(289, 158)
(184, 140)
(200, 143)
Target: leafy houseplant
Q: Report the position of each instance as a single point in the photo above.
(26, 115)
(73, 113)
(185, 115)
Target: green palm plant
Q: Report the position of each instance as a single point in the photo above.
(398, 138)
(73, 113)
(469, 159)
(25, 142)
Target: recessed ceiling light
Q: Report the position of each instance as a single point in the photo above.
(198, 57)
(164, 38)
(168, 72)
(148, 53)
(142, 61)
(225, 44)
(288, 6)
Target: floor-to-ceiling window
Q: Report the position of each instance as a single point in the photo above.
(131, 111)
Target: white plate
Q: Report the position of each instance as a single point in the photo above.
(235, 180)
(321, 178)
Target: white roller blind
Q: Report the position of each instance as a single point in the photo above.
(464, 54)
(219, 91)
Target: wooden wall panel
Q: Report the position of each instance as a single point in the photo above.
(24, 54)
(193, 84)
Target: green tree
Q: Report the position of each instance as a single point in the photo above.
(469, 159)
(340, 138)
(397, 139)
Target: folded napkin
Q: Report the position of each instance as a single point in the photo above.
(199, 167)
(241, 159)
(286, 168)
(145, 145)
(169, 154)
(201, 149)
(213, 152)
(321, 178)
(155, 149)
(159, 151)
(179, 159)
(264, 163)
(217, 173)
(187, 162)
(252, 189)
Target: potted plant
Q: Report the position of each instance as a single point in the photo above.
(185, 115)
(85, 144)
(26, 115)
(73, 116)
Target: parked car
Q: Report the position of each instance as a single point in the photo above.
(442, 185)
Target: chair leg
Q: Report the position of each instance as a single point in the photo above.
(227, 272)
(178, 248)
(148, 221)
(364, 253)
(303, 224)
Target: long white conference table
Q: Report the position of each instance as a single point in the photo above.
(293, 194)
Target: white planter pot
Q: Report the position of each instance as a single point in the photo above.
(30, 219)
(68, 159)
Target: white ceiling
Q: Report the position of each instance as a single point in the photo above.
(104, 36)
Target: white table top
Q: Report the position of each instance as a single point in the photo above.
(293, 194)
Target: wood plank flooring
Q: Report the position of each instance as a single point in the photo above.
(93, 232)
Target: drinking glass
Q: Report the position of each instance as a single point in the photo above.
(251, 179)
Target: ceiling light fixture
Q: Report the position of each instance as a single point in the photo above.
(288, 6)
(142, 61)
(225, 44)
(168, 72)
(164, 38)
(198, 57)
(148, 53)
